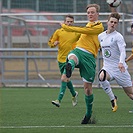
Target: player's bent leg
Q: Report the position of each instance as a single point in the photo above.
(68, 70)
(71, 88)
(103, 76)
(129, 91)
(60, 95)
(64, 80)
(114, 104)
(74, 99)
(106, 87)
(73, 93)
(70, 65)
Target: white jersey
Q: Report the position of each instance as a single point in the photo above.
(113, 49)
(113, 52)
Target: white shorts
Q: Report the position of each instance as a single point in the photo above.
(122, 78)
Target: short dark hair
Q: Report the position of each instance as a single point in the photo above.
(131, 25)
(114, 15)
(69, 16)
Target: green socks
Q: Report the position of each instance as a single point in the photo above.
(62, 90)
(89, 103)
(70, 87)
(72, 63)
(68, 84)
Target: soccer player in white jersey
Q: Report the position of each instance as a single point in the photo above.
(114, 66)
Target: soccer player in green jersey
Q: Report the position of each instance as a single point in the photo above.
(65, 41)
(83, 56)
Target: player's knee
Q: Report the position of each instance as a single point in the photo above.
(102, 75)
(73, 57)
(64, 78)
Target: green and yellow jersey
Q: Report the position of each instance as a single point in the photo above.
(67, 42)
(89, 36)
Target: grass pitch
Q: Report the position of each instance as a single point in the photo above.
(29, 110)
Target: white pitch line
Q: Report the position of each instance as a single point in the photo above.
(63, 126)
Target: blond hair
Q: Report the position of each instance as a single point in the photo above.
(94, 5)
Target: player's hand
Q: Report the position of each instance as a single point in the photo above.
(56, 43)
(61, 23)
(121, 67)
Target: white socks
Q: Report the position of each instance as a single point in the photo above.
(106, 87)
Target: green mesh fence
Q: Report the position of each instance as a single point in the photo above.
(64, 5)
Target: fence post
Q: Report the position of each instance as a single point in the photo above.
(1, 41)
(1, 28)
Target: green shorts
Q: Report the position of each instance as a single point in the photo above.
(61, 67)
(86, 64)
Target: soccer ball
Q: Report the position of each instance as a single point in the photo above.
(114, 3)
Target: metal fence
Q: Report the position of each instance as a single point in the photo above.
(25, 57)
(64, 5)
(24, 29)
(38, 67)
